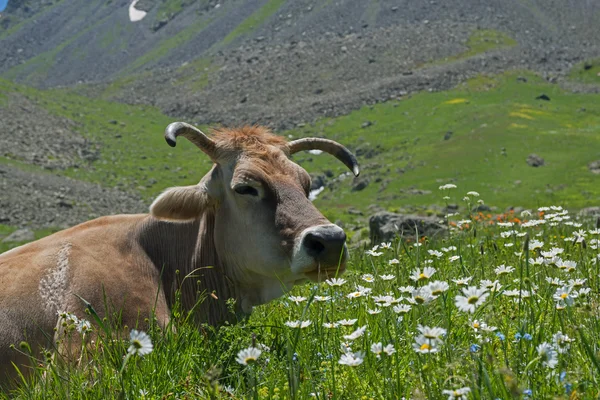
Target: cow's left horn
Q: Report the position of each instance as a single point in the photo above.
(328, 146)
(192, 134)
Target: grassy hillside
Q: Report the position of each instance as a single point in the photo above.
(496, 122)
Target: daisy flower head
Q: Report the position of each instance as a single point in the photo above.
(330, 325)
(421, 296)
(436, 288)
(387, 277)
(83, 326)
(139, 343)
(335, 281)
(547, 355)
(393, 261)
(297, 299)
(377, 349)
(406, 289)
(389, 349)
(565, 294)
(473, 193)
(565, 265)
(248, 356)
(373, 252)
(368, 278)
(462, 281)
(453, 258)
(419, 275)
(425, 346)
(434, 333)
(535, 245)
(473, 298)
(374, 312)
(356, 334)
(402, 308)
(347, 322)
(352, 359)
(386, 245)
(504, 269)
(322, 298)
(561, 342)
(298, 324)
(492, 286)
(458, 394)
(555, 281)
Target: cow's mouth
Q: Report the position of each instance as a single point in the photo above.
(320, 274)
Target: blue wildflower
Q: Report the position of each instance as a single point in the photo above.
(500, 336)
(475, 348)
(527, 336)
(518, 336)
(527, 392)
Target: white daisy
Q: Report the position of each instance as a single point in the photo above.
(438, 287)
(387, 277)
(352, 359)
(347, 322)
(547, 355)
(504, 269)
(248, 356)
(368, 278)
(458, 394)
(139, 343)
(335, 281)
(419, 275)
(462, 281)
(356, 334)
(425, 346)
(473, 298)
(297, 299)
(299, 324)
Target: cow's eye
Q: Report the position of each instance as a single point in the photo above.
(246, 190)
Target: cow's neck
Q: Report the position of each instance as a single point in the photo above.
(185, 255)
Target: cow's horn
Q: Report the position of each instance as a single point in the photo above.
(192, 134)
(328, 146)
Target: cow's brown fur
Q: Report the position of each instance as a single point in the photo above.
(220, 242)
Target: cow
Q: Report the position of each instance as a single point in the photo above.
(244, 235)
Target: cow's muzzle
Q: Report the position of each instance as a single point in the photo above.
(321, 252)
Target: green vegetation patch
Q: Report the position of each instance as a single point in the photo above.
(473, 313)
(253, 21)
(481, 41)
(587, 71)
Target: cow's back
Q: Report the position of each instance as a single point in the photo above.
(97, 260)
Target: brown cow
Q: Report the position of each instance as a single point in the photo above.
(247, 232)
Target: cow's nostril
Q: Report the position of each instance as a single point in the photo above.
(313, 244)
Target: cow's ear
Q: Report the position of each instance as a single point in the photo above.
(180, 203)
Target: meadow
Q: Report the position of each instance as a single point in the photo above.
(503, 307)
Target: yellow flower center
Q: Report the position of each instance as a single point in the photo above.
(564, 296)
(422, 276)
(472, 299)
(476, 325)
(420, 300)
(425, 346)
(436, 292)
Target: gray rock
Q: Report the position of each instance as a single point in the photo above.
(534, 160)
(360, 184)
(482, 208)
(384, 226)
(317, 181)
(20, 235)
(594, 167)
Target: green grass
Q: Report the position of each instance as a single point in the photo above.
(253, 21)
(6, 230)
(502, 361)
(586, 72)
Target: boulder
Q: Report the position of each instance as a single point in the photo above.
(534, 160)
(360, 184)
(594, 167)
(20, 235)
(385, 225)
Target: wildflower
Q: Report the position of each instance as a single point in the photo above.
(447, 186)
(462, 281)
(492, 286)
(402, 308)
(377, 349)
(583, 292)
(555, 281)
(335, 281)
(368, 278)
(297, 299)
(352, 359)
(356, 334)
(83, 326)
(472, 193)
(473, 298)
(474, 348)
(373, 252)
(503, 269)
(393, 261)
(330, 325)
(406, 289)
(387, 277)
(322, 298)
(386, 246)
(355, 294)
(383, 299)
(535, 245)
(347, 322)
(547, 355)
(139, 343)
(458, 394)
(389, 349)
(565, 265)
(453, 258)
(425, 346)
(561, 342)
(374, 312)
(553, 252)
(438, 287)
(537, 261)
(448, 249)
(434, 333)
(435, 253)
(248, 356)
(417, 275)
(500, 336)
(299, 324)
(577, 282)
(565, 294)
(421, 296)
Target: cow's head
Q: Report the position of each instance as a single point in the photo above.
(265, 225)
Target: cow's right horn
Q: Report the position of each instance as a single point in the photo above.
(192, 134)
